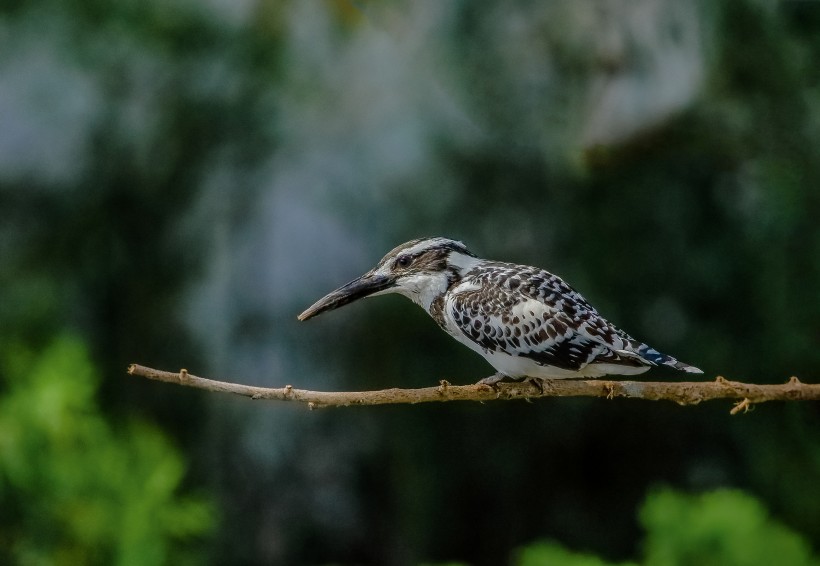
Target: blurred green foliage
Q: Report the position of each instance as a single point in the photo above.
(723, 527)
(718, 528)
(76, 489)
(550, 553)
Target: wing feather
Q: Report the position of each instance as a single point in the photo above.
(531, 313)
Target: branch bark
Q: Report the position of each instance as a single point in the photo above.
(683, 393)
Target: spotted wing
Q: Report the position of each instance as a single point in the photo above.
(531, 313)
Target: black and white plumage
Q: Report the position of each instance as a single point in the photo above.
(525, 321)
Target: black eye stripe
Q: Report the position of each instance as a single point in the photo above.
(429, 255)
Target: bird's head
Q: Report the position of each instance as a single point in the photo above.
(420, 269)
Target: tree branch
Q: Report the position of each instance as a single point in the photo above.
(683, 393)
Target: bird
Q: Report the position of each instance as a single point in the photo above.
(525, 321)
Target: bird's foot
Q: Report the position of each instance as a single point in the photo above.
(494, 380)
(537, 382)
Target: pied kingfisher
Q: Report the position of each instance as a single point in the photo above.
(525, 321)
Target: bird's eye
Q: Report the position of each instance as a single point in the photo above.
(404, 261)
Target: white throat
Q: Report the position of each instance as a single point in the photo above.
(424, 288)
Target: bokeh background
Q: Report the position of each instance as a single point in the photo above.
(180, 178)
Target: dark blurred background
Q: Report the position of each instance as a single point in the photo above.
(180, 178)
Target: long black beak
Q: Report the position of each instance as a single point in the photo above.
(365, 285)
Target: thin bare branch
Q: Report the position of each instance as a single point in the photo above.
(683, 393)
